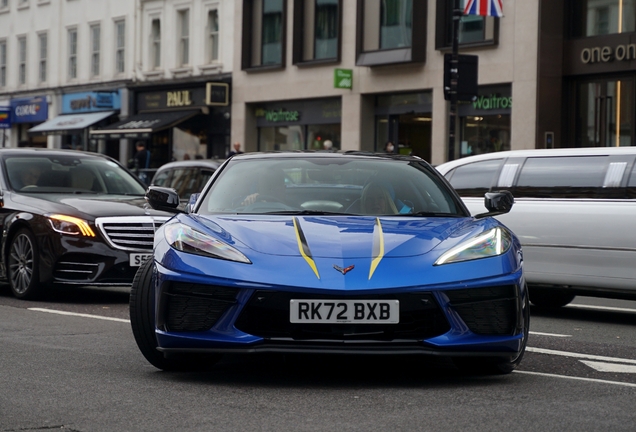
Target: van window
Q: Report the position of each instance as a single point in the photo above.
(563, 177)
(475, 179)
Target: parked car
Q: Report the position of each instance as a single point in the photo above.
(332, 253)
(71, 218)
(186, 177)
(574, 214)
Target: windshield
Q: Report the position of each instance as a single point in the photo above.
(329, 185)
(69, 174)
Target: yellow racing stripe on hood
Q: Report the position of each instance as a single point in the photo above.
(303, 247)
(378, 247)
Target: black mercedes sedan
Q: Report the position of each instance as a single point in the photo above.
(73, 218)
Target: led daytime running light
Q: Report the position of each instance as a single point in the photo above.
(83, 226)
(494, 237)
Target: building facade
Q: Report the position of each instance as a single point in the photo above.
(87, 74)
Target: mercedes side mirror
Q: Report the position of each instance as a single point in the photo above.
(497, 203)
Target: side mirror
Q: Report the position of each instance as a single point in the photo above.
(497, 203)
(161, 198)
(192, 202)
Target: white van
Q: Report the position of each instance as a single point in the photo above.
(574, 213)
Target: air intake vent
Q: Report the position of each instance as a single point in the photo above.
(130, 233)
(487, 311)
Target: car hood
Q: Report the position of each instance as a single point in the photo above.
(90, 205)
(331, 236)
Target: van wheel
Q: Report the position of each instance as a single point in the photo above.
(23, 265)
(550, 298)
(142, 321)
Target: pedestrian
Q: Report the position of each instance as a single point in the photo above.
(237, 149)
(141, 161)
(389, 147)
(327, 145)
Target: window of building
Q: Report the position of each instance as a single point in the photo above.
(3, 63)
(595, 18)
(120, 48)
(386, 33)
(317, 28)
(184, 37)
(22, 59)
(473, 29)
(155, 43)
(263, 33)
(43, 40)
(213, 36)
(95, 49)
(72, 53)
(4, 4)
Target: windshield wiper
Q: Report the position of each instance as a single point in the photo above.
(304, 212)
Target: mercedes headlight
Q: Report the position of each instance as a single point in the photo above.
(185, 239)
(491, 243)
(70, 225)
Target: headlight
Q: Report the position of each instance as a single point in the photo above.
(186, 239)
(70, 225)
(491, 243)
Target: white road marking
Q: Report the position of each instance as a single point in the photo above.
(79, 315)
(624, 384)
(578, 355)
(606, 308)
(549, 334)
(609, 367)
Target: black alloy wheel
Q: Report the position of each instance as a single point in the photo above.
(23, 265)
(142, 321)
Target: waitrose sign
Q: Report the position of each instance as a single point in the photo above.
(493, 102)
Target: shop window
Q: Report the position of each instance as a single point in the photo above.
(263, 33)
(95, 49)
(72, 53)
(300, 137)
(120, 48)
(484, 134)
(43, 51)
(473, 30)
(213, 36)
(386, 33)
(594, 18)
(155, 43)
(317, 28)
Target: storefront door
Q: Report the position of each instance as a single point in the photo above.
(605, 113)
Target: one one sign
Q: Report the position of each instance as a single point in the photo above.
(31, 110)
(343, 78)
(5, 118)
(85, 102)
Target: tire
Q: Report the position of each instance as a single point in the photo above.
(497, 365)
(550, 298)
(142, 321)
(23, 265)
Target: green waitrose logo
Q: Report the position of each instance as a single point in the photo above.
(276, 116)
(493, 102)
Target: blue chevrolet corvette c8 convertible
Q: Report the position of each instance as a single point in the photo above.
(331, 253)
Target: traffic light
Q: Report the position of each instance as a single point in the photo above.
(467, 71)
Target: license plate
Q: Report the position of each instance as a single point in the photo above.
(137, 259)
(344, 311)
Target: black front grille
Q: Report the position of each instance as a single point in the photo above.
(77, 268)
(487, 311)
(266, 315)
(194, 307)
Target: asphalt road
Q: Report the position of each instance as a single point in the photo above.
(83, 372)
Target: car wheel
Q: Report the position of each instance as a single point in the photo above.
(142, 321)
(23, 265)
(498, 365)
(550, 298)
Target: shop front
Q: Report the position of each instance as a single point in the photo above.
(81, 112)
(485, 123)
(25, 114)
(299, 125)
(404, 119)
(176, 122)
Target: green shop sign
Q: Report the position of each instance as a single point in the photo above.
(276, 116)
(343, 78)
(493, 102)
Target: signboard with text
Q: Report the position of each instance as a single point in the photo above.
(30, 110)
(91, 102)
(343, 78)
(5, 118)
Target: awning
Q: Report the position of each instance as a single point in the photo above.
(142, 125)
(69, 122)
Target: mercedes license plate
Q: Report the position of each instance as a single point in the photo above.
(137, 259)
(344, 311)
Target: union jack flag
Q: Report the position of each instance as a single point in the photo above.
(484, 8)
